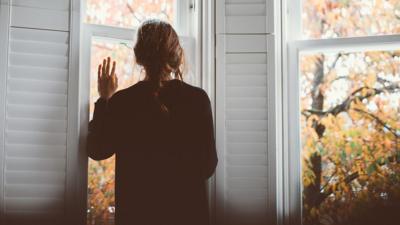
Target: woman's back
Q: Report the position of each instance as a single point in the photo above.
(163, 158)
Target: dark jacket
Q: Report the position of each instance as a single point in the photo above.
(162, 160)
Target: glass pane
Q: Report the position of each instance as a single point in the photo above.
(350, 18)
(129, 13)
(122, 52)
(350, 137)
(101, 173)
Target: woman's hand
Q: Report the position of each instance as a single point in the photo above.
(107, 81)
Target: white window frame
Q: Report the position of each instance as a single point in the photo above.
(196, 29)
(292, 45)
(5, 11)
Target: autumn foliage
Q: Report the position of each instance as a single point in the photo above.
(350, 136)
(350, 116)
(350, 18)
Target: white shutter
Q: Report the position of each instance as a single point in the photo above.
(242, 180)
(34, 111)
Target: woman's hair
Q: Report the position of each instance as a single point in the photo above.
(158, 50)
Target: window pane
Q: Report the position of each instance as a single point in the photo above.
(350, 137)
(350, 18)
(101, 173)
(122, 52)
(129, 13)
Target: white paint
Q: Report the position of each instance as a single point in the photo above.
(4, 40)
(39, 18)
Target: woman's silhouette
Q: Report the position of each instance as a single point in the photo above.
(161, 131)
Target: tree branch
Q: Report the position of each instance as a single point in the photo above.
(345, 105)
(377, 119)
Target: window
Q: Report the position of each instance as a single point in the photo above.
(343, 106)
(109, 30)
(350, 18)
(129, 13)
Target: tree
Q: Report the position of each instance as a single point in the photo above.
(350, 105)
(350, 134)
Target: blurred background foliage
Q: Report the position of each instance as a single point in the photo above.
(350, 116)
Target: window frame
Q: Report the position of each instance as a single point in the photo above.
(292, 46)
(5, 12)
(199, 17)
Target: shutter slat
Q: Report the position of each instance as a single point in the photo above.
(35, 112)
(248, 58)
(246, 137)
(250, 69)
(34, 164)
(246, 80)
(35, 138)
(43, 4)
(247, 182)
(36, 190)
(36, 60)
(246, 10)
(246, 125)
(246, 160)
(244, 2)
(39, 35)
(35, 177)
(39, 99)
(38, 73)
(30, 17)
(34, 204)
(36, 151)
(39, 47)
(247, 192)
(246, 43)
(41, 86)
(246, 24)
(41, 125)
(246, 148)
(246, 92)
(246, 103)
(237, 114)
(246, 171)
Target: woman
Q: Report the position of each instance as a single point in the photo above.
(161, 131)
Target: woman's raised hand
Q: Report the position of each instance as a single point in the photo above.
(107, 81)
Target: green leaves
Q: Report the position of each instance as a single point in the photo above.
(371, 168)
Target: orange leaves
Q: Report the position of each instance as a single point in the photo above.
(124, 13)
(359, 148)
(100, 190)
(370, 80)
(345, 18)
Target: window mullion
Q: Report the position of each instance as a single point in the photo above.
(386, 42)
(110, 32)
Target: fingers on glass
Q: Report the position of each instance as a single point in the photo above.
(108, 66)
(113, 69)
(104, 67)
(99, 72)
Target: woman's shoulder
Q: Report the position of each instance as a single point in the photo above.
(195, 92)
(121, 96)
(186, 90)
(128, 91)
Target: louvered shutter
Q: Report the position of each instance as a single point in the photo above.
(35, 39)
(242, 51)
